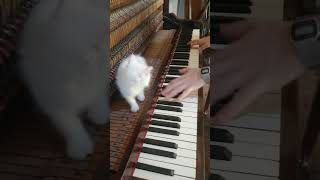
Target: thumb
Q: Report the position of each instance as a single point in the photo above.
(240, 101)
(184, 70)
(193, 42)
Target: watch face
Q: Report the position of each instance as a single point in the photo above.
(304, 30)
(205, 70)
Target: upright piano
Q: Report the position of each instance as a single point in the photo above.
(164, 139)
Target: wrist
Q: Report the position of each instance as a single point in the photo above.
(305, 37)
(205, 74)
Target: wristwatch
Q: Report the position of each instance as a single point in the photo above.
(305, 35)
(205, 74)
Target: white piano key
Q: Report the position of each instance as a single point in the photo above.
(254, 136)
(156, 176)
(183, 66)
(178, 114)
(181, 137)
(190, 101)
(178, 170)
(181, 144)
(180, 152)
(180, 161)
(241, 176)
(252, 150)
(192, 132)
(247, 165)
(173, 76)
(183, 124)
(255, 121)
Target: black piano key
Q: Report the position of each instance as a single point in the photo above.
(155, 169)
(175, 68)
(182, 50)
(167, 80)
(174, 72)
(169, 108)
(181, 56)
(216, 177)
(178, 62)
(221, 135)
(170, 78)
(165, 124)
(220, 153)
(159, 152)
(227, 8)
(161, 143)
(164, 131)
(167, 117)
(170, 103)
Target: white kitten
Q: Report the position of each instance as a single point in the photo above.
(63, 61)
(133, 76)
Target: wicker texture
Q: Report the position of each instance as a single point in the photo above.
(133, 41)
(115, 4)
(120, 30)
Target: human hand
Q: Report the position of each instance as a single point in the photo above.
(260, 59)
(203, 43)
(190, 80)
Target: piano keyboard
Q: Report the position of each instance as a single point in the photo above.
(248, 147)
(169, 149)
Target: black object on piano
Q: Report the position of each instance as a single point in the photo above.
(169, 108)
(155, 169)
(161, 143)
(221, 135)
(164, 131)
(159, 152)
(165, 124)
(216, 177)
(170, 103)
(166, 117)
(220, 153)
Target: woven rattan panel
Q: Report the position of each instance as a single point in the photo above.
(125, 20)
(134, 40)
(116, 4)
(125, 124)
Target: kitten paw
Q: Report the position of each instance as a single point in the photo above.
(135, 108)
(141, 97)
(79, 149)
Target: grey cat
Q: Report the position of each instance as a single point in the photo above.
(63, 62)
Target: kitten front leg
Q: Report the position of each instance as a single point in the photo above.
(99, 110)
(133, 103)
(78, 142)
(141, 96)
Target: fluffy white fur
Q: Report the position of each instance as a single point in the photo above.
(133, 76)
(63, 61)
